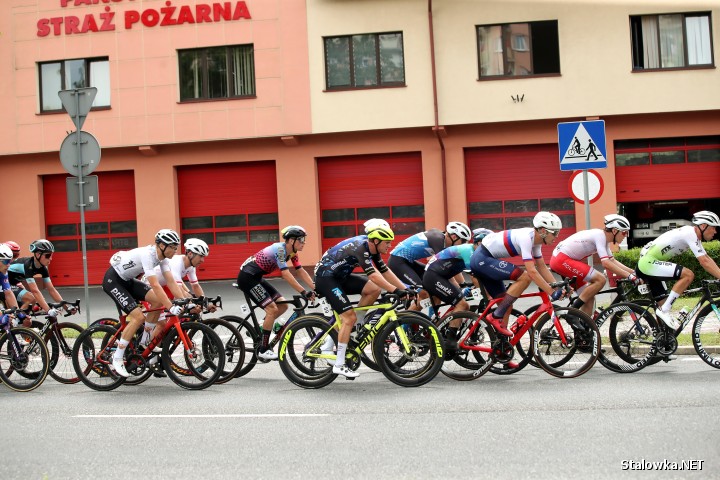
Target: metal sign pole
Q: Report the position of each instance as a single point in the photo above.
(82, 207)
(586, 200)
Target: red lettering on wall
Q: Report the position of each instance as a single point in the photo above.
(131, 16)
(150, 17)
(241, 11)
(202, 13)
(222, 10)
(42, 27)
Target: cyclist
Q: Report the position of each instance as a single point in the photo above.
(654, 265)
(569, 259)
(488, 265)
(22, 273)
(276, 256)
(6, 256)
(404, 259)
(15, 248)
(122, 285)
(335, 281)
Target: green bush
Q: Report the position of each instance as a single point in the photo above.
(686, 259)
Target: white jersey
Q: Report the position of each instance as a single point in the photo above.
(584, 243)
(138, 261)
(674, 242)
(178, 270)
(511, 243)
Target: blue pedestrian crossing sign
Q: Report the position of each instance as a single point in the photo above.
(582, 145)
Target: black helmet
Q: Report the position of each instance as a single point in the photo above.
(293, 231)
(42, 245)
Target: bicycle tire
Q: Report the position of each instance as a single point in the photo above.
(523, 349)
(368, 357)
(251, 339)
(25, 369)
(706, 334)
(233, 347)
(199, 368)
(463, 364)
(426, 355)
(630, 331)
(92, 358)
(60, 343)
(299, 339)
(580, 352)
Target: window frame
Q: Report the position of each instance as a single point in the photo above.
(636, 45)
(681, 144)
(205, 73)
(351, 59)
(88, 76)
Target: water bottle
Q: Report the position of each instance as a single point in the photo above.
(682, 315)
(280, 323)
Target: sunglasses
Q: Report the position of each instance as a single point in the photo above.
(6, 261)
(47, 255)
(554, 232)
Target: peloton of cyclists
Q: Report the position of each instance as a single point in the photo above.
(276, 256)
(335, 281)
(404, 258)
(488, 266)
(570, 255)
(654, 265)
(122, 285)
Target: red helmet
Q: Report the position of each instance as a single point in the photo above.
(13, 246)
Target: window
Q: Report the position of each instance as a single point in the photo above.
(663, 151)
(219, 72)
(671, 41)
(364, 61)
(70, 74)
(518, 49)
(237, 228)
(342, 223)
(507, 214)
(114, 235)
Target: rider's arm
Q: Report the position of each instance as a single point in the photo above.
(537, 269)
(175, 289)
(616, 267)
(35, 291)
(305, 278)
(290, 278)
(53, 291)
(709, 265)
(197, 289)
(158, 290)
(10, 300)
(379, 280)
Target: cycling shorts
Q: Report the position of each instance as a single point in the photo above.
(410, 272)
(125, 293)
(655, 272)
(336, 290)
(569, 267)
(492, 272)
(258, 290)
(441, 287)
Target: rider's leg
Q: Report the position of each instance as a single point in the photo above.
(595, 283)
(686, 278)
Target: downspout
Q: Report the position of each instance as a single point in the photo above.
(439, 131)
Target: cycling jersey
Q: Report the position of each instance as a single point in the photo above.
(24, 269)
(4, 283)
(269, 259)
(672, 243)
(178, 270)
(142, 260)
(421, 245)
(340, 260)
(582, 244)
(511, 243)
(453, 260)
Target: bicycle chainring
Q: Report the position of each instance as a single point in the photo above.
(503, 351)
(136, 364)
(666, 343)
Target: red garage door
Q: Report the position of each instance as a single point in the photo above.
(111, 228)
(507, 186)
(354, 189)
(233, 207)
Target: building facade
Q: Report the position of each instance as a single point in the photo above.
(227, 120)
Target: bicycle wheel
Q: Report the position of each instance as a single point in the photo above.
(60, 339)
(409, 351)
(92, 358)
(233, 347)
(24, 359)
(522, 354)
(706, 336)
(302, 338)
(465, 364)
(199, 366)
(574, 355)
(628, 332)
(251, 340)
(368, 357)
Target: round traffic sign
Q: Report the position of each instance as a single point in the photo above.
(595, 186)
(89, 152)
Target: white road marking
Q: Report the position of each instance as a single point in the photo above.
(232, 415)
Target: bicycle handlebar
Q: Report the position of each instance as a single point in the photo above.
(75, 305)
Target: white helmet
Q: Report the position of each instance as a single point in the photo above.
(5, 252)
(547, 220)
(167, 236)
(374, 223)
(706, 217)
(460, 229)
(617, 221)
(197, 246)
(480, 233)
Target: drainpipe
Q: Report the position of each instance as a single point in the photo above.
(439, 131)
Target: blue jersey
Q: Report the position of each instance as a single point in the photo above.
(421, 245)
(340, 260)
(452, 260)
(4, 283)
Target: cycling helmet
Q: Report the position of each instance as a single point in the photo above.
(14, 247)
(706, 217)
(197, 246)
(617, 221)
(480, 233)
(381, 233)
(42, 245)
(293, 231)
(168, 237)
(374, 223)
(547, 220)
(460, 229)
(5, 252)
